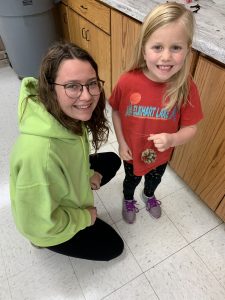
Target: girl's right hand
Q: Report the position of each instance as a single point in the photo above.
(125, 152)
(93, 213)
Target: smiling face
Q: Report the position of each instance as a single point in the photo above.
(165, 51)
(76, 71)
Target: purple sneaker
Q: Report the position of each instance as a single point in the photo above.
(152, 205)
(129, 211)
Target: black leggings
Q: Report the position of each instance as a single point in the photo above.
(131, 181)
(99, 241)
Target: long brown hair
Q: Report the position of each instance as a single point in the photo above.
(98, 124)
(163, 14)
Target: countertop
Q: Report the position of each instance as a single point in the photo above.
(210, 22)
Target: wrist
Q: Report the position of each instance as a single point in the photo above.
(173, 140)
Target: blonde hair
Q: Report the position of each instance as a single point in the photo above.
(178, 85)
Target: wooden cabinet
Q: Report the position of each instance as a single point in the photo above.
(93, 35)
(95, 12)
(124, 34)
(201, 162)
(61, 17)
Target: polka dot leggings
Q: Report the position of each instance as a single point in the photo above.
(131, 181)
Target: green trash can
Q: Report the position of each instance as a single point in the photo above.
(27, 28)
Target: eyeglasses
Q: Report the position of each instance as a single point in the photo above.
(74, 90)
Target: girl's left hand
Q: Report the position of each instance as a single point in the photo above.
(162, 141)
(95, 181)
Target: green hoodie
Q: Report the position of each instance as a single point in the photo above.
(49, 175)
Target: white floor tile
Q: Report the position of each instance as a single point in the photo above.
(4, 164)
(17, 252)
(190, 215)
(101, 210)
(184, 276)
(151, 240)
(2, 266)
(211, 249)
(111, 197)
(51, 279)
(4, 290)
(170, 183)
(5, 198)
(9, 91)
(137, 289)
(99, 279)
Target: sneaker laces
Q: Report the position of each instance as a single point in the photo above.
(130, 205)
(152, 202)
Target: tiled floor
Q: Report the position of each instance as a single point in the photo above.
(179, 256)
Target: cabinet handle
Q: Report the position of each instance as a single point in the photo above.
(83, 7)
(83, 33)
(88, 35)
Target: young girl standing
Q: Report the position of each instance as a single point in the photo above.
(155, 105)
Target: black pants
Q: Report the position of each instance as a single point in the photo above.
(152, 180)
(99, 241)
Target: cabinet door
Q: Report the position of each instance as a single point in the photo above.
(95, 41)
(62, 21)
(124, 34)
(93, 11)
(201, 162)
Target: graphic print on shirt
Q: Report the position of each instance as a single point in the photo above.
(152, 112)
(139, 110)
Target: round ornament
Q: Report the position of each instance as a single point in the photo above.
(148, 156)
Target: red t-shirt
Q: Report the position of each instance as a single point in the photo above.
(139, 102)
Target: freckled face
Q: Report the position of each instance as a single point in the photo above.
(76, 71)
(165, 51)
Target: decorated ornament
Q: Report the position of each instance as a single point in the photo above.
(148, 156)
